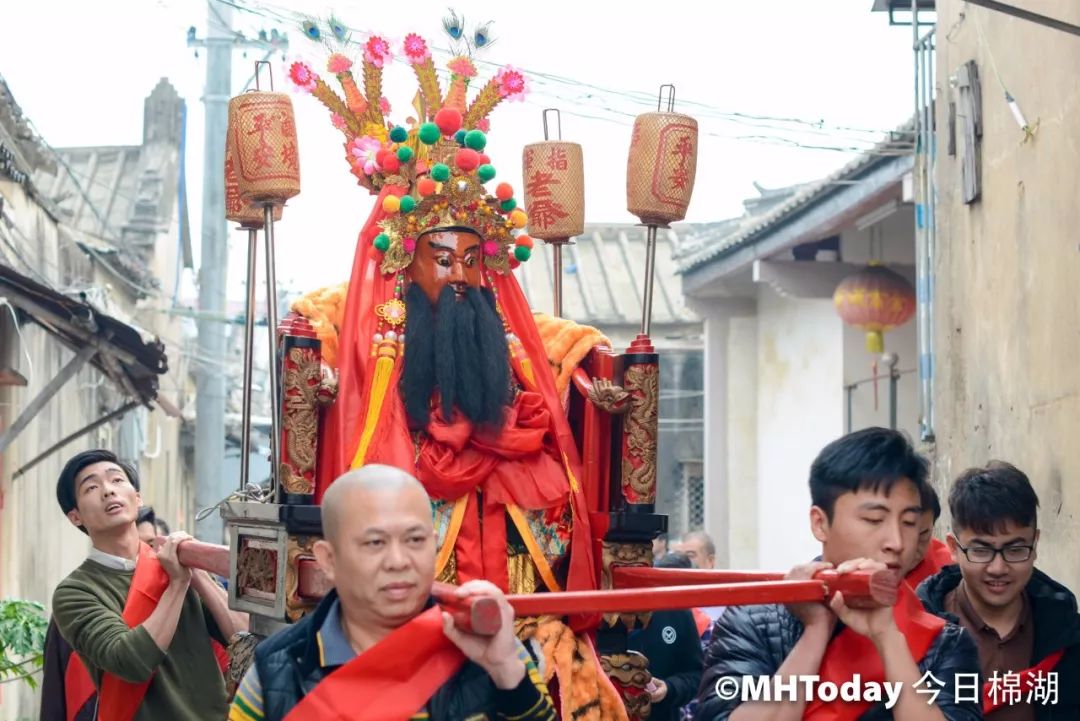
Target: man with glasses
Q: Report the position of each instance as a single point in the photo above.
(1025, 624)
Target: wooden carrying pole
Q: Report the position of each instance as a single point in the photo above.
(649, 590)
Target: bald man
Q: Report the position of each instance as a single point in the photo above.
(378, 549)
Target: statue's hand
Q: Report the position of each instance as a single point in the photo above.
(609, 397)
(327, 391)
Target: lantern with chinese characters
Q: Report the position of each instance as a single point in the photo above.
(554, 175)
(662, 165)
(262, 132)
(876, 300)
(248, 216)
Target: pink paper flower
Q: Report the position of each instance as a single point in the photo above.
(384, 106)
(337, 121)
(377, 51)
(416, 49)
(483, 125)
(463, 67)
(363, 153)
(303, 76)
(338, 63)
(511, 83)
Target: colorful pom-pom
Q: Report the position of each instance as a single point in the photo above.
(522, 253)
(391, 204)
(485, 173)
(508, 205)
(484, 159)
(524, 241)
(504, 191)
(408, 204)
(380, 156)
(382, 240)
(390, 163)
(467, 159)
(448, 120)
(404, 153)
(440, 172)
(518, 218)
(429, 133)
(399, 134)
(475, 139)
(409, 244)
(425, 187)
(459, 137)
(491, 247)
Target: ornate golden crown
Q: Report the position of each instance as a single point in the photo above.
(438, 159)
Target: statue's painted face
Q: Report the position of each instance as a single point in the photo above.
(446, 257)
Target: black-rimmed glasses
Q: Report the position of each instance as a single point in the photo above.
(986, 554)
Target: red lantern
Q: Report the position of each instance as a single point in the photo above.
(875, 300)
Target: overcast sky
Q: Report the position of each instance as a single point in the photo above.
(81, 70)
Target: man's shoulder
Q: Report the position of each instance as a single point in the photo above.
(82, 582)
(953, 650)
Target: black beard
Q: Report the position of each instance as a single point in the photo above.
(459, 347)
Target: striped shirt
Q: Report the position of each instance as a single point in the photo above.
(530, 701)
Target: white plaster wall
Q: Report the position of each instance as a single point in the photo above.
(800, 410)
(742, 457)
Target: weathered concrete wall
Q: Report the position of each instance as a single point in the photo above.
(1007, 309)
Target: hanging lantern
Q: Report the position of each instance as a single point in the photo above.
(875, 300)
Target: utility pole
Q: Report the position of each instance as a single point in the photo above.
(212, 377)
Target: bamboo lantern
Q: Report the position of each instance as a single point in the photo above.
(662, 165)
(554, 182)
(263, 136)
(875, 300)
(248, 216)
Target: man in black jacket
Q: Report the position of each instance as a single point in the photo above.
(375, 644)
(673, 647)
(866, 491)
(1019, 617)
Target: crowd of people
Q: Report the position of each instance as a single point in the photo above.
(147, 632)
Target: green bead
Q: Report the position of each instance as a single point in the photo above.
(408, 204)
(440, 172)
(485, 172)
(382, 241)
(508, 205)
(476, 140)
(430, 133)
(522, 253)
(399, 134)
(404, 153)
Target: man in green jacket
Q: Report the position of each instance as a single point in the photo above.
(163, 665)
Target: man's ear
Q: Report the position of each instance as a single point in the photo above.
(954, 547)
(819, 524)
(73, 516)
(324, 556)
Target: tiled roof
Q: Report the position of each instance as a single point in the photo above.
(705, 243)
(604, 278)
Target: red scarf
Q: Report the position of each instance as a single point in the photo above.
(851, 653)
(390, 681)
(937, 557)
(1027, 682)
(119, 699)
(78, 687)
